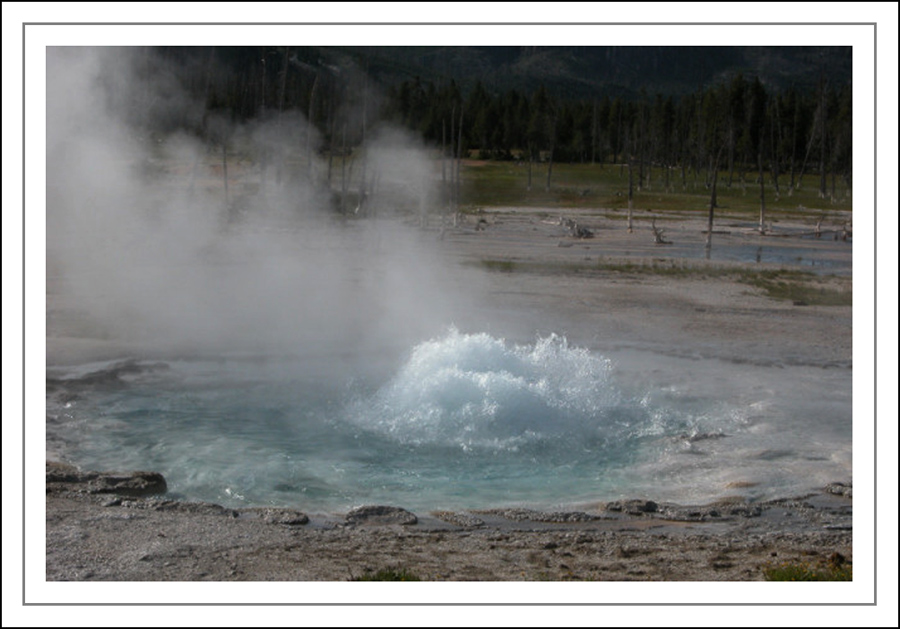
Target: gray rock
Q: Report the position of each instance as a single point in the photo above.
(463, 520)
(196, 508)
(722, 511)
(376, 514)
(633, 507)
(840, 489)
(271, 515)
(129, 484)
(64, 473)
(530, 515)
(63, 477)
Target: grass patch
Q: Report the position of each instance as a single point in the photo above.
(501, 266)
(802, 289)
(832, 570)
(389, 574)
(499, 183)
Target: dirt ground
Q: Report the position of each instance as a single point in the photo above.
(99, 537)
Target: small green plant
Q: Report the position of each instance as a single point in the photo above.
(389, 574)
(502, 266)
(799, 287)
(837, 568)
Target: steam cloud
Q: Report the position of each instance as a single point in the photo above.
(141, 246)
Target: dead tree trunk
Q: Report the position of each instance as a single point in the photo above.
(344, 167)
(549, 169)
(823, 133)
(444, 157)
(630, 194)
(279, 167)
(762, 195)
(459, 161)
(225, 177)
(451, 189)
(330, 147)
(445, 197)
(550, 157)
(264, 149)
(712, 205)
(363, 157)
(309, 132)
(203, 121)
(658, 234)
(530, 166)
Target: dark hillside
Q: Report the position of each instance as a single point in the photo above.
(590, 71)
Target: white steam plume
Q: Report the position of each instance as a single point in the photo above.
(140, 243)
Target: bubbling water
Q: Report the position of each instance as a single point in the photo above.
(467, 421)
(476, 392)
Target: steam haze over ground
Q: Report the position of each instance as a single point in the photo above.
(139, 240)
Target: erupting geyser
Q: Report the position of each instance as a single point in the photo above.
(465, 420)
(477, 391)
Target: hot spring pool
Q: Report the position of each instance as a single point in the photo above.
(462, 421)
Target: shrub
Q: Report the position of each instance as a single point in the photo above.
(835, 569)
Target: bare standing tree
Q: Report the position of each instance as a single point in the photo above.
(332, 115)
(630, 154)
(363, 150)
(552, 137)
(225, 174)
(309, 133)
(459, 162)
(630, 192)
(762, 194)
(712, 203)
(264, 161)
(451, 189)
(823, 146)
(204, 131)
(344, 167)
(755, 125)
(530, 165)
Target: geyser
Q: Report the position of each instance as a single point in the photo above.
(476, 391)
(465, 420)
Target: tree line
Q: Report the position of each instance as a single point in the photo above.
(737, 127)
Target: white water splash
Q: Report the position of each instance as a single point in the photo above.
(474, 390)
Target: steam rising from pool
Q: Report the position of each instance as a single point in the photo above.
(465, 420)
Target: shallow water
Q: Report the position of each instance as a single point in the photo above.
(462, 421)
(822, 256)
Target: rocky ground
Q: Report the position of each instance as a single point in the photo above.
(116, 527)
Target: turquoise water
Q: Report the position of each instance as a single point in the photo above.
(460, 421)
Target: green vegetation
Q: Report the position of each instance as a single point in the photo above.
(502, 266)
(802, 289)
(586, 186)
(831, 570)
(389, 574)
